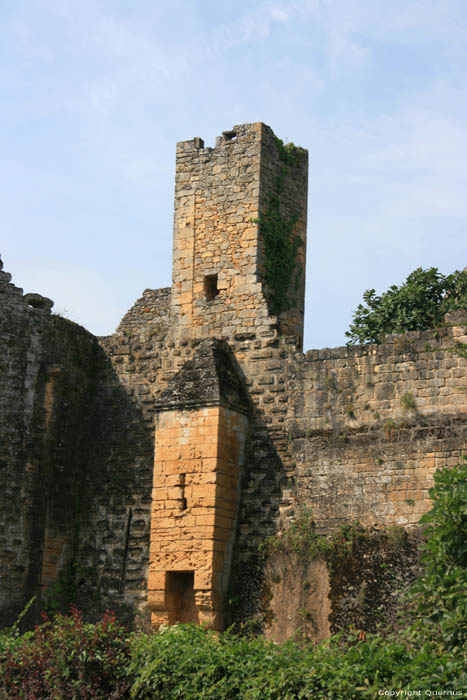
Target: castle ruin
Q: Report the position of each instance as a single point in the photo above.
(149, 465)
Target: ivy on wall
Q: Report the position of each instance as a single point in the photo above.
(280, 242)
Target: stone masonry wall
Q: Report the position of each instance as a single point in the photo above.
(369, 425)
(220, 195)
(46, 383)
(285, 178)
(113, 550)
(352, 433)
(148, 315)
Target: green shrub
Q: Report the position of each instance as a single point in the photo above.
(190, 663)
(439, 597)
(66, 659)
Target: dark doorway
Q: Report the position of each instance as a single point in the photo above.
(180, 594)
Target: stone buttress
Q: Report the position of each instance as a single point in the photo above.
(201, 428)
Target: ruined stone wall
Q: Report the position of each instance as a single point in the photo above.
(46, 384)
(148, 315)
(214, 236)
(358, 581)
(283, 207)
(370, 424)
(113, 552)
(355, 434)
(352, 433)
(266, 494)
(219, 290)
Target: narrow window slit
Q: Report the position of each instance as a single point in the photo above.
(125, 549)
(183, 497)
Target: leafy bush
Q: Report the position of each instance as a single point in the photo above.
(216, 668)
(418, 304)
(190, 663)
(439, 597)
(66, 659)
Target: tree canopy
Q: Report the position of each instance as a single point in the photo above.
(418, 304)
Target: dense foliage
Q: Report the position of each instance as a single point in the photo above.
(439, 597)
(65, 659)
(418, 304)
(252, 669)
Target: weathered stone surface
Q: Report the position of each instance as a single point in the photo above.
(216, 234)
(456, 318)
(46, 369)
(198, 458)
(209, 378)
(368, 434)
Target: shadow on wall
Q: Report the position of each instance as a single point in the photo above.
(112, 555)
(264, 480)
(44, 431)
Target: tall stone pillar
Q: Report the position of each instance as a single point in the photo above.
(200, 436)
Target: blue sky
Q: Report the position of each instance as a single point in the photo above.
(94, 95)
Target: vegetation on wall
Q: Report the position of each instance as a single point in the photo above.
(418, 304)
(369, 569)
(439, 600)
(65, 658)
(280, 242)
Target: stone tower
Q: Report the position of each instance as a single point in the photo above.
(238, 275)
(239, 235)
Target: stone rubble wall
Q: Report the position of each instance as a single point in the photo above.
(216, 203)
(113, 549)
(358, 586)
(290, 183)
(149, 314)
(369, 425)
(46, 384)
(351, 433)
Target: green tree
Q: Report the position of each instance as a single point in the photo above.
(418, 304)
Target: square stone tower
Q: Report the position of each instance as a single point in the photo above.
(238, 275)
(239, 235)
